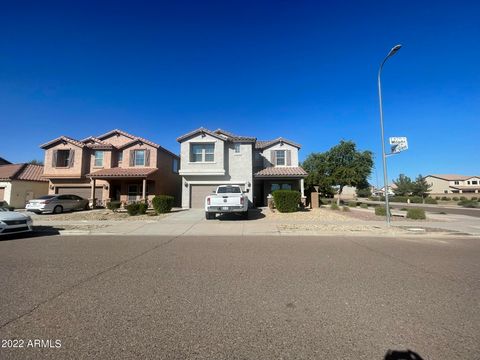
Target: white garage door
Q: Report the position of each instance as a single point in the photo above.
(198, 193)
(83, 192)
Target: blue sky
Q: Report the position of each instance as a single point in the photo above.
(305, 70)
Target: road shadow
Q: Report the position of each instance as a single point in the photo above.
(38, 231)
(402, 355)
(253, 214)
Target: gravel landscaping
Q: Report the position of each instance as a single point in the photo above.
(95, 215)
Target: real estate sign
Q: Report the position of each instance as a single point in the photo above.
(398, 144)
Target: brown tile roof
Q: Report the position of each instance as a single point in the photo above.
(25, 172)
(122, 172)
(451, 177)
(262, 144)
(234, 137)
(200, 130)
(280, 171)
(63, 138)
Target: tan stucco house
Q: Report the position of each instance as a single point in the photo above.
(20, 183)
(211, 158)
(453, 184)
(113, 166)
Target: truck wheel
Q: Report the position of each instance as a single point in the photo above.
(208, 216)
(245, 215)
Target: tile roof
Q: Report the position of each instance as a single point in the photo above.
(234, 137)
(122, 172)
(451, 177)
(466, 187)
(63, 138)
(276, 171)
(262, 144)
(25, 172)
(200, 130)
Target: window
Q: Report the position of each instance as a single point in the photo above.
(474, 182)
(280, 156)
(274, 187)
(229, 189)
(175, 165)
(468, 182)
(202, 153)
(286, 187)
(457, 182)
(120, 156)
(139, 158)
(98, 158)
(63, 158)
(237, 148)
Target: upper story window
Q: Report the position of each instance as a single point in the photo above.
(175, 165)
(468, 182)
(120, 156)
(237, 148)
(202, 153)
(474, 182)
(139, 158)
(457, 182)
(63, 158)
(280, 158)
(98, 158)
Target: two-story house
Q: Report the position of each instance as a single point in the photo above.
(112, 166)
(212, 158)
(453, 184)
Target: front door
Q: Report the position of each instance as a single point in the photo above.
(133, 192)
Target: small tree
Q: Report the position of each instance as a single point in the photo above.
(420, 187)
(35, 162)
(404, 185)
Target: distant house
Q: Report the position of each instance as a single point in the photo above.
(381, 191)
(4, 162)
(453, 184)
(212, 158)
(112, 166)
(20, 183)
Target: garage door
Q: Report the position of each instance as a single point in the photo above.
(198, 193)
(83, 192)
(2, 194)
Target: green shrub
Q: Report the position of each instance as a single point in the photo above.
(364, 206)
(380, 211)
(114, 205)
(462, 198)
(444, 198)
(416, 214)
(325, 201)
(437, 197)
(374, 198)
(345, 208)
(416, 199)
(162, 203)
(429, 200)
(334, 206)
(404, 209)
(402, 199)
(468, 204)
(142, 208)
(455, 198)
(133, 209)
(364, 193)
(286, 200)
(352, 203)
(473, 198)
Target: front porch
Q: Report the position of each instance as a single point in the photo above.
(263, 188)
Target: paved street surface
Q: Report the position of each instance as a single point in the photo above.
(253, 297)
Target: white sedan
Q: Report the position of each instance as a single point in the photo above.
(12, 222)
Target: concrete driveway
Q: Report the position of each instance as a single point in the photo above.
(245, 297)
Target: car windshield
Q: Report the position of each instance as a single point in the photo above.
(46, 197)
(229, 189)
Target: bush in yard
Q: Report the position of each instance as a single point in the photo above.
(416, 214)
(364, 206)
(380, 211)
(462, 198)
(473, 198)
(455, 198)
(345, 208)
(114, 205)
(402, 199)
(352, 203)
(437, 197)
(286, 200)
(444, 198)
(416, 199)
(429, 200)
(133, 209)
(468, 203)
(334, 206)
(162, 203)
(142, 208)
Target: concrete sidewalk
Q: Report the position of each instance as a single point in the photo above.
(192, 222)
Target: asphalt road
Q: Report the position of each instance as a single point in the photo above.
(240, 298)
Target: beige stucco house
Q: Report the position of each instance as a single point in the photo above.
(466, 185)
(211, 158)
(113, 166)
(20, 183)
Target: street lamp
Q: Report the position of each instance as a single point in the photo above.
(384, 157)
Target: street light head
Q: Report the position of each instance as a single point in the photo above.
(394, 50)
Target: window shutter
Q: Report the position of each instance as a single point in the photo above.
(147, 157)
(289, 157)
(54, 158)
(71, 158)
(131, 161)
(273, 157)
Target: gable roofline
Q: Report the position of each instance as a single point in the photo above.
(451, 177)
(94, 139)
(5, 161)
(265, 144)
(115, 131)
(64, 139)
(201, 130)
(235, 138)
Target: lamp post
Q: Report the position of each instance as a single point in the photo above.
(384, 157)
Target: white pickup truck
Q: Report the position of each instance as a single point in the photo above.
(226, 199)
